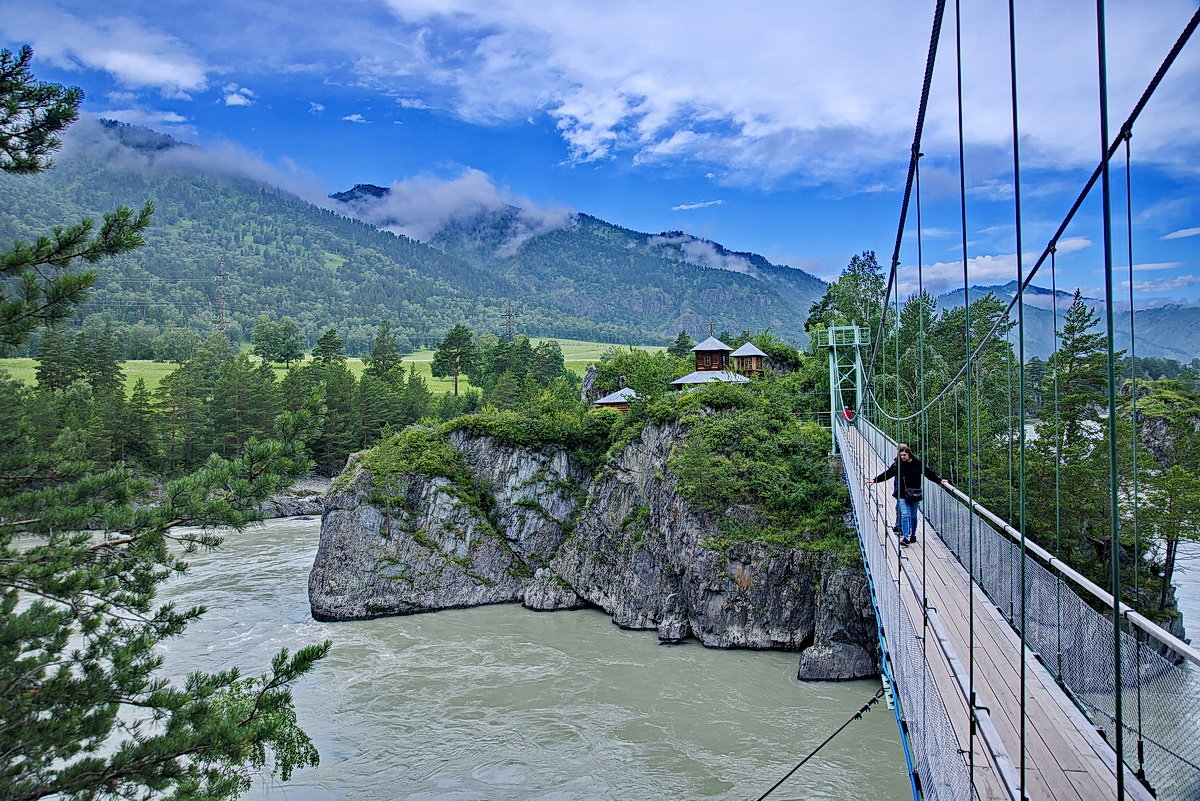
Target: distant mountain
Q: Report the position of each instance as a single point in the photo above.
(280, 255)
(585, 266)
(1170, 332)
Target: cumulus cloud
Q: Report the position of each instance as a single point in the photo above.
(315, 108)
(1186, 232)
(421, 206)
(983, 270)
(627, 78)
(136, 54)
(699, 204)
(356, 118)
(411, 102)
(235, 95)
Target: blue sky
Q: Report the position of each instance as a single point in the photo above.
(776, 127)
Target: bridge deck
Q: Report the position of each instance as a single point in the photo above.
(1064, 756)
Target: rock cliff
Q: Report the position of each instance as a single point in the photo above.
(538, 529)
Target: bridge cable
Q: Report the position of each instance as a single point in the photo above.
(970, 455)
(1058, 446)
(1113, 478)
(922, 441)
(856, 716)
(1168, 61)
(1020, 298)
(1133, 424)
(935, 36)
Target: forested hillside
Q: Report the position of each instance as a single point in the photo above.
(218, 235)
(280, 255)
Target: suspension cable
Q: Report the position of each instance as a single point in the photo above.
(935, 36)
(1012, 60)
(1133, 426)
(1052, 244)
(962, 203)
(856, 716)
(1113, 477)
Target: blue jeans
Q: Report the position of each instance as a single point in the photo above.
(907, 512)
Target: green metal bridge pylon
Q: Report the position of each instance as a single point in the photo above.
(844, 343)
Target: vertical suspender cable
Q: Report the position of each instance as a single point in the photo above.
(1133, 424)
(962, 203)
(1012, 56)
(1113, 509)
(1057, 463)
(922, 435)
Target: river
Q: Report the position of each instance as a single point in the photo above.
(503, 704)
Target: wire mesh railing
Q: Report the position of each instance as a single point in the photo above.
(931, 742)
(1160, 675)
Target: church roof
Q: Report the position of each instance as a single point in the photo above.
(748, 350)
(709, 377)
(623, 395)
(712, 343)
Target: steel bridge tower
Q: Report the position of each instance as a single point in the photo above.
(844, 343)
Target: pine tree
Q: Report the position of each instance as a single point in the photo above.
(455, 355)
(415, 400)
(58, 359)
(330, 348)
(681, 348)
(86, 712)
(383, 362)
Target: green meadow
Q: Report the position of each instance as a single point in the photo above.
(577, 355)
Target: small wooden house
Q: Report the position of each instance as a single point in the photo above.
(712, 354)
(712, 365)
(618, 400)
(749, 361)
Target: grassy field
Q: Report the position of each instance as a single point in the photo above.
(577, 355)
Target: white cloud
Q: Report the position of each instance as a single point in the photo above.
(767, 92)
(135, 54)
(700, 204)
(356, 118)
(1162, 265)
(419, 207)
(1163, 284)
(218, 158)
(315, 108)
(237, 95)
(147, 117)
(411, 102)
(1186, 232)
(982, 270)
(1072, 244)
(701, 252)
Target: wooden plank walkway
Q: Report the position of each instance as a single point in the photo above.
(1064, 757)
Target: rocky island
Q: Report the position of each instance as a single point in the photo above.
(472, 514)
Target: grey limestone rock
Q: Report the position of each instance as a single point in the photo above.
(626, 541)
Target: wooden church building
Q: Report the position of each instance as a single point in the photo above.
(712, 364)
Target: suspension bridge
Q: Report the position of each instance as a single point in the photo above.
(1013, 675)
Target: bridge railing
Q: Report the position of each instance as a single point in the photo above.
(931, 744)
(1160, 686)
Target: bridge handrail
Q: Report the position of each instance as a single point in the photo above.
(1135, 618)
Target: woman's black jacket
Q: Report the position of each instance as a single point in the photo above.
(909, 476)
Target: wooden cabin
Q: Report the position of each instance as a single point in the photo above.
(749, 361)
(712, 354)
(618, 400)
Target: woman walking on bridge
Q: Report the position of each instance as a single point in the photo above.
(907, 470)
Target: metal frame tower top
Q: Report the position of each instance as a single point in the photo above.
(844, 343)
